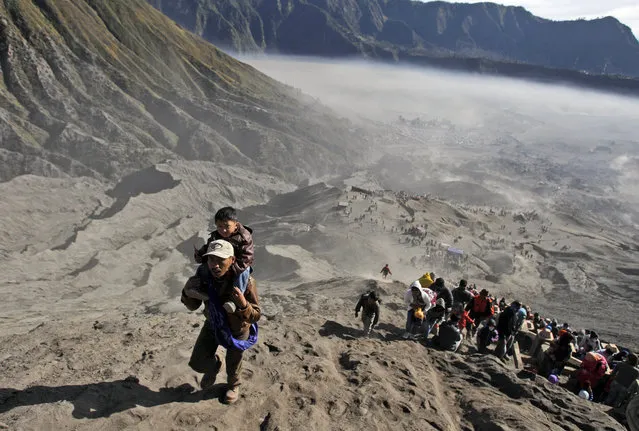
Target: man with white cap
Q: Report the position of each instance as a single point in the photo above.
(231, 318)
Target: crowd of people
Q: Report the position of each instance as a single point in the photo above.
(604, 374)
(223, 282)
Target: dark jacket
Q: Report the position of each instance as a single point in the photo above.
(241, 319)
(449, 336)
(435, 313)
(461, 295)
(242, 242)
(485, 335)
(368, 308)
(446, 295)
(506, 322)
(559, 350)
(625, 374)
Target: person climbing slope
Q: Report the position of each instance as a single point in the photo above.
(435, 316)
(443, 292)
(485, 336)
(386, 271)
(449, 337)
(506, 328)
(461, 296)
(231, 319)
(480, 308)
(369, 304)
(418, 301)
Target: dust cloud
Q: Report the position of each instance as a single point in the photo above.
(373, 90)
(517, 141)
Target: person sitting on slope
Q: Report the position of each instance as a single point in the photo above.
(449, 337)
(556, 357)
(486, 335)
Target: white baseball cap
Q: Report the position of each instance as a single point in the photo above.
(220, 248)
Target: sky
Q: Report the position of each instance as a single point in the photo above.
(626, 11)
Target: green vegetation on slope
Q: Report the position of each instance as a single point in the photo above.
(106, 87)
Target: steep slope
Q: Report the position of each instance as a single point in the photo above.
(103, 88)
(309, 370)
(383, 29)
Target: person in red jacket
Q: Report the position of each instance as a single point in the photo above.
(386, 271)
(465, 321)
(480, 308)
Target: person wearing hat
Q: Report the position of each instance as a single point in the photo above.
(621, 356)
(435, 315)
(231, 318)
(417, 300)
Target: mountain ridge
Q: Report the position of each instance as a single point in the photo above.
(476, 37)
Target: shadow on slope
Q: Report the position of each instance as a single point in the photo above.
(147, 181)
(304, 203)
(98, 400)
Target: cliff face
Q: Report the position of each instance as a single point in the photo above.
(382, 28)
(104, 88)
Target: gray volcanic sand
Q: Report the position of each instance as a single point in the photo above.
(540, 199)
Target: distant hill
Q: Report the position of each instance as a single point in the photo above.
(106, 87)
(481, 36)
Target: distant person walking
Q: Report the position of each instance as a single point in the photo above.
(385, 271)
